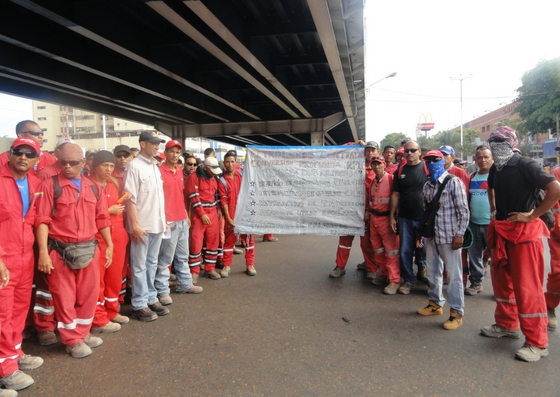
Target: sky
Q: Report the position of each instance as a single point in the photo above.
(427, 43)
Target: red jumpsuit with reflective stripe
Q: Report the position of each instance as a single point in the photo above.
(229, 197)
(201, 191)
(517, 278)
(110, 279)
(552, 294)
(78, 217)
(16, 242)
(384, 241)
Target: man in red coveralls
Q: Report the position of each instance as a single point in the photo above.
(515, 237)
(18, 189)
(122, 157)
(389, 155)
(73, 218)
(107, 318)
(31, 130)
(201, 188)
(228, 187)
(371, 150)
(384, 241)
(552, 294)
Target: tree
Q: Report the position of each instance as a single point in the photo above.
(448, 137)
(393, 139)
(539, 97)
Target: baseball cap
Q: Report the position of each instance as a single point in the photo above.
(151, 137)
(62, 141)
(378, 159)
(372, 144)
(173, 143)
(27, 142)
(90, 152)
(459, 161)
(446, 149)
(400, 152)
(212, 163)
(121, 148)
(434, 153)
(160, 155)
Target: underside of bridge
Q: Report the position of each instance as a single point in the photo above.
(265, 72)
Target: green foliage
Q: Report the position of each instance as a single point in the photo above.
(539, 97)
(393, 139)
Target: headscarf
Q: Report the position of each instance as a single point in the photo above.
(502, 141)
(436, 170)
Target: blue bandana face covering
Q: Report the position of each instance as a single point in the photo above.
(436, 170)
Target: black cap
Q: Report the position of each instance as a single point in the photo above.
(103, 156)
(121, 148)
(151, 137)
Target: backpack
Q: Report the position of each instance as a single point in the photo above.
(58, 192)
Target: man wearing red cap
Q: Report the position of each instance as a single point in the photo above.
(175, 245)
(384, 241)
(30, 130)
(18, 189)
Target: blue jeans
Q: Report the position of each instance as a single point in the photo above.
(476, 252)
(407, 236)
(174, 249)
(143, 266)
(436, 256)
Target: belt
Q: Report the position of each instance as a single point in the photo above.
(379, 213)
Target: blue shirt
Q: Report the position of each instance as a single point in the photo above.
(77, 182)
(479, 205)
(24, 193)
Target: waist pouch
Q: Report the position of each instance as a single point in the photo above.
(76, 256)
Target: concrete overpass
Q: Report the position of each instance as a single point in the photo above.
(274, 72)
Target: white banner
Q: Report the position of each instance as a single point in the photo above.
(302, 190)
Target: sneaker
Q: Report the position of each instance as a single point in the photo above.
(191, 290)
(47, 338)
(144, 314)
(237, 251)
(530, 353)
(195, 278)
(28, 362)
(391, 289)
(17, 380)
(337, 272)
(552, 321)
(454, 321)
(225, 272)
(379, 280)
(172, 277)
(108, 328)
(405, 289)
(93, 341)
(159, 309)
(79, 350)
(272, 239)
(371, 275)
(165, 300)
(473, 290)
(120, 319)
(8, 393)
(422, 274)
(494, 331)
(214, 275)
(251, 271)
(431, 309)
(361, 266)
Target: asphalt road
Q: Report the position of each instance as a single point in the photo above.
(284, 333)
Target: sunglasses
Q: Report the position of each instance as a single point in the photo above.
(34, 133)
(411, 150)
(191, 164)
(72, 163)
(123, 155)
(19, 152)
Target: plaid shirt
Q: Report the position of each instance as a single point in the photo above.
(452, 217)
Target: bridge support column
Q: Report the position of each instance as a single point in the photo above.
(317, 138)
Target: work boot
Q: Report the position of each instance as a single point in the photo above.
(93, 341)
(108, 328)
(191, 290)
(213, 274)
(361, 266)
(251, 271)
(530, 353)
(271, 239)
(391, 289)
(28, 362)
(337, 272)
(144, 314)
(237, 251)
(165, 300)
(422, 274)
(379, 279)
(431, 309)
(454, 321)
(17, 380)
(194, 278)
(8, 393)
(552, 321)
(46, 338)
(79, 350)
(159, 309)
(473, 290)
(405, 289)
(120, 319)
(27, 332)
(225, 272)
(494, 331)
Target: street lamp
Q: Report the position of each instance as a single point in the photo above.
(461, 78)
(386, 77)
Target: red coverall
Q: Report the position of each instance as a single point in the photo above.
(345, 242)
(119, 176)
(391, 168)
(110, 279)
(517, 274)
(552, 294)
(201, 192)
(74, 292)
(228, 196)
(384, 241)
(16, 242)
